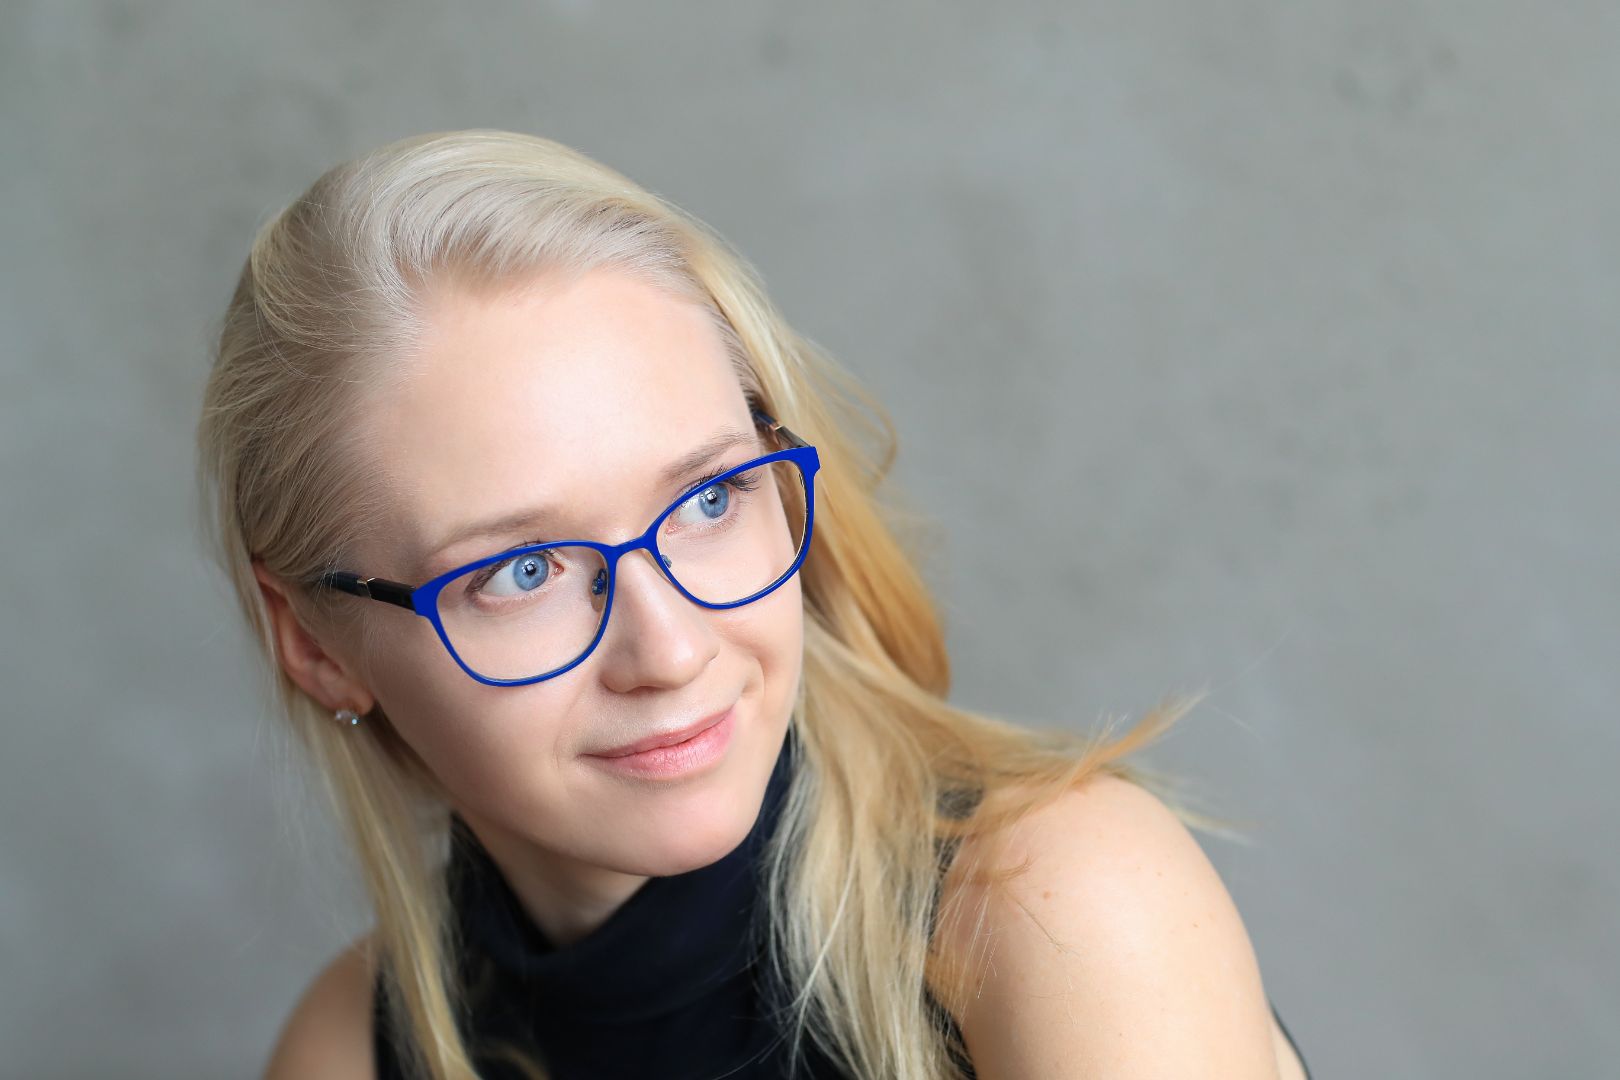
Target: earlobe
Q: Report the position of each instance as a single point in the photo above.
(318, 673)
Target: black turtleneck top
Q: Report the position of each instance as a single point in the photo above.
(673, 986)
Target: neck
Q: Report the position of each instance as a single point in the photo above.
(566, 898)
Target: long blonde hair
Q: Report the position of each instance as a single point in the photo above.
(893, 777)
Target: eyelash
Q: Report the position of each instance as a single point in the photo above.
(704, 481)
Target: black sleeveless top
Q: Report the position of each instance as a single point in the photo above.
(672, 986)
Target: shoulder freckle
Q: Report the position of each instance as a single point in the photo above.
(1100, 810)
(1106, 828)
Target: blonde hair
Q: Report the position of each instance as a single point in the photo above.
(893, 777)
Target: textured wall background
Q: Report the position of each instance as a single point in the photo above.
(1261, 346)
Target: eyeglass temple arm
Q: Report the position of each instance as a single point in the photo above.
(389, 592)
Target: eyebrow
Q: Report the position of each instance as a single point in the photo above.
(509, 523)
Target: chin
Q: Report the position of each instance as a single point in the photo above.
(689, 842)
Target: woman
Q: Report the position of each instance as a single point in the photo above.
(568, 553)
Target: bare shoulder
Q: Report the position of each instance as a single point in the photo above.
(328, 1035)
(1116, 953)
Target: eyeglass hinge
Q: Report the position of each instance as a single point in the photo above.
(348, 582)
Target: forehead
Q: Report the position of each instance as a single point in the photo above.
(570, 392)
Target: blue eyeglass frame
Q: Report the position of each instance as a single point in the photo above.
(424, 599)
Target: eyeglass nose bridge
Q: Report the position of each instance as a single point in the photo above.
(612, 553)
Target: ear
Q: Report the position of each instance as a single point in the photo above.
(321, 675)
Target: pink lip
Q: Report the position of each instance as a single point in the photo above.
(698, 754)
(669, 738)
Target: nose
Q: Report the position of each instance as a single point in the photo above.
(655, 636)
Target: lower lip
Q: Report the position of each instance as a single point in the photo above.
(667, 762)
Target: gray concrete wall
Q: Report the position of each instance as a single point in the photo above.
(1266, 347)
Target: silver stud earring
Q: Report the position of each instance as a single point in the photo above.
(346, 715)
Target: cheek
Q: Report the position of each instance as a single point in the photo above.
(792, 630)
(470, 735)
(774, 638)
(771, 623)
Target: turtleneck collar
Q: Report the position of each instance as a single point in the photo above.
(674, 940)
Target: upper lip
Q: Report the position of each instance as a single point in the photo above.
(666, 738)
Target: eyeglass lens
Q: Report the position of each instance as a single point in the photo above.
(540, 610)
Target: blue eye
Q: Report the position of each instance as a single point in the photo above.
(526, 573)
(713, 500)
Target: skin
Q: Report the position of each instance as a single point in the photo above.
(575, 394)
(1117, 953)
